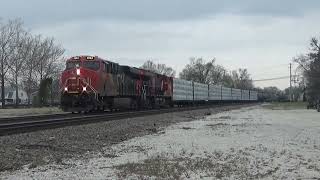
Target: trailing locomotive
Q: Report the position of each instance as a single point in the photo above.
(91, 83)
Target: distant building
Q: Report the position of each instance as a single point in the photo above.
(10, 96)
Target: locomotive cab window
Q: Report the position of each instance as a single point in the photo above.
(93, 65)
(72, 64)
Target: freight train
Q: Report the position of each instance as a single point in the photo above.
(90, 83)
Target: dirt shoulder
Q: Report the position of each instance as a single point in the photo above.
(29, 150)
(286, 105)
(29, 111)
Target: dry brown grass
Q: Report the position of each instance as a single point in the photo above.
(235, 164)
(286, 105)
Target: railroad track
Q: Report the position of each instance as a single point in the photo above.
(43, 117)
(33, 123)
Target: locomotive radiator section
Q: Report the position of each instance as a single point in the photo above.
(129, 86)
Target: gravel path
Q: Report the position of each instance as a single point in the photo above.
(30, 150)
(248, 143)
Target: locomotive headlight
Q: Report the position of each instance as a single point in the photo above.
(84, 88)
(78, 72)
(66, 89)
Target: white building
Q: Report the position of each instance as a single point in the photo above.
(10, 96)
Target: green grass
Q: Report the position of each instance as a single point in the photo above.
(286, 105)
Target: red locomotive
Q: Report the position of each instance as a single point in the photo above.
(91, 83)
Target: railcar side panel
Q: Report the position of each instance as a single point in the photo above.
(226, 93)
(214, 92)
(245, 95)
(200, 91)
(182, 90)
(236, 94)
(253, 96)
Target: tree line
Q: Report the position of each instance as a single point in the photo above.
(309, 66)
(26, 59)
(308, 87)
(207, 72)
(33, 63)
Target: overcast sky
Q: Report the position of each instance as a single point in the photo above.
(262, 36)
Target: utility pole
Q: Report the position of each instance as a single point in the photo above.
(290, 90)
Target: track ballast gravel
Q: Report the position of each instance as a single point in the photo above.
(29, 150)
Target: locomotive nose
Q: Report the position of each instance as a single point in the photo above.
(78, 81)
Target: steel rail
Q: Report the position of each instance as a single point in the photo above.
(28, 125)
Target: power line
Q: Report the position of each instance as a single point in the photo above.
(268, 69)
(271, 79)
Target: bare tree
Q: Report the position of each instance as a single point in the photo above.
(241, 79)
(44, 54)
(303, 61)
(310, 63)
(29, 80)
(22, 42)
(227, 80)
(26, 59)
(271, 93)
(199, 70)
(217, 74)
(158, 68)
(7, 37)
(49, 59)
(49, 63)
